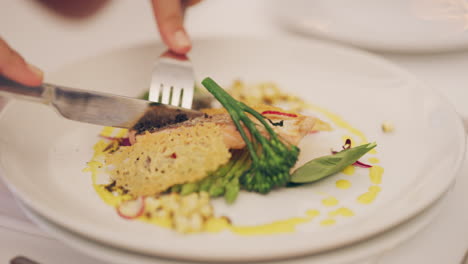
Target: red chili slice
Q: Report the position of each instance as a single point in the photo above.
(270, 112)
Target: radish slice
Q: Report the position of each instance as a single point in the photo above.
(362, 165)
(132, 209)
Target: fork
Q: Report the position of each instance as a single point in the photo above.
(173, 80)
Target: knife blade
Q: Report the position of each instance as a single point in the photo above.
(99, 108)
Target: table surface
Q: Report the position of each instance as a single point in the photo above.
(51, 41)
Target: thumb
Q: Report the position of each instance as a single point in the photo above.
(169, 17)
(14, 67)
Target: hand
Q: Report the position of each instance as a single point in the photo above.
(14, 67)
(170, 19)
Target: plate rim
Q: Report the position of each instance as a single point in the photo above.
(415, 225)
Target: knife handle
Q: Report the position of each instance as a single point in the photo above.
(14, 89)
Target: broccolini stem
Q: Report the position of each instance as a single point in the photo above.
(227, 101)
(260, 118)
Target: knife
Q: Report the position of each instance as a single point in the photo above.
(99, 108)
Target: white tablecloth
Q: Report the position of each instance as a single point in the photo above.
(51, 41)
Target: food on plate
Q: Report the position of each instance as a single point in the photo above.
(324, 166)
(190, 151)
(388, 127)
(185, 214)
(167, 175)
(159, 160)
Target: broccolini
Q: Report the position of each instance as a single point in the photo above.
(271, 159)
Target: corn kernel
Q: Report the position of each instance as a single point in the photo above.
(161, 213)
(206, 210)
(190, 202)
(172, 205)
(196, 222)
(387, 127)
(185, 214)
(152, 204)
(181, 224)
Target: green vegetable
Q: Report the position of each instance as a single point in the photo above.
(222, 182)
(270, 158)
(145, 96)
(232, 190)
(322, 167)
(176, 188)
(266, 161)
(189, 188)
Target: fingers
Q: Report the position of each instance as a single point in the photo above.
(188, 3)
(75, 9)
(14, 67)
(170, 18)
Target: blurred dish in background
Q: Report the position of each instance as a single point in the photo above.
(396, 26)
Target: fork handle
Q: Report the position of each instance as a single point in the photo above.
(39, 94)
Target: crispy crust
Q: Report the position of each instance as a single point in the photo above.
(159, 160)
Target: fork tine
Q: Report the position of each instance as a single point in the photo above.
(155, 90)
(175, 100)
(187, 98)
(166, 93)
(173, 80)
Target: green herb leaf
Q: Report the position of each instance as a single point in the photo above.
(144, 96)
(322, 167)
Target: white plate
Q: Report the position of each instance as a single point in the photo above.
(43, 155)
(398, 25)
(364, 252)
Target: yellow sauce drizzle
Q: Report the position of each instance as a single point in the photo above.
(277, 227)
(343, 184)
(330, 201)
(122, 133)
(343, 211)
(107, 131)
(375, 174)
(328, 222)
(312, 213)
(349, 170)
(114, 132)
(369, 196)
(373, 160)
(94, 167)
(215, 225)
(339, 121)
